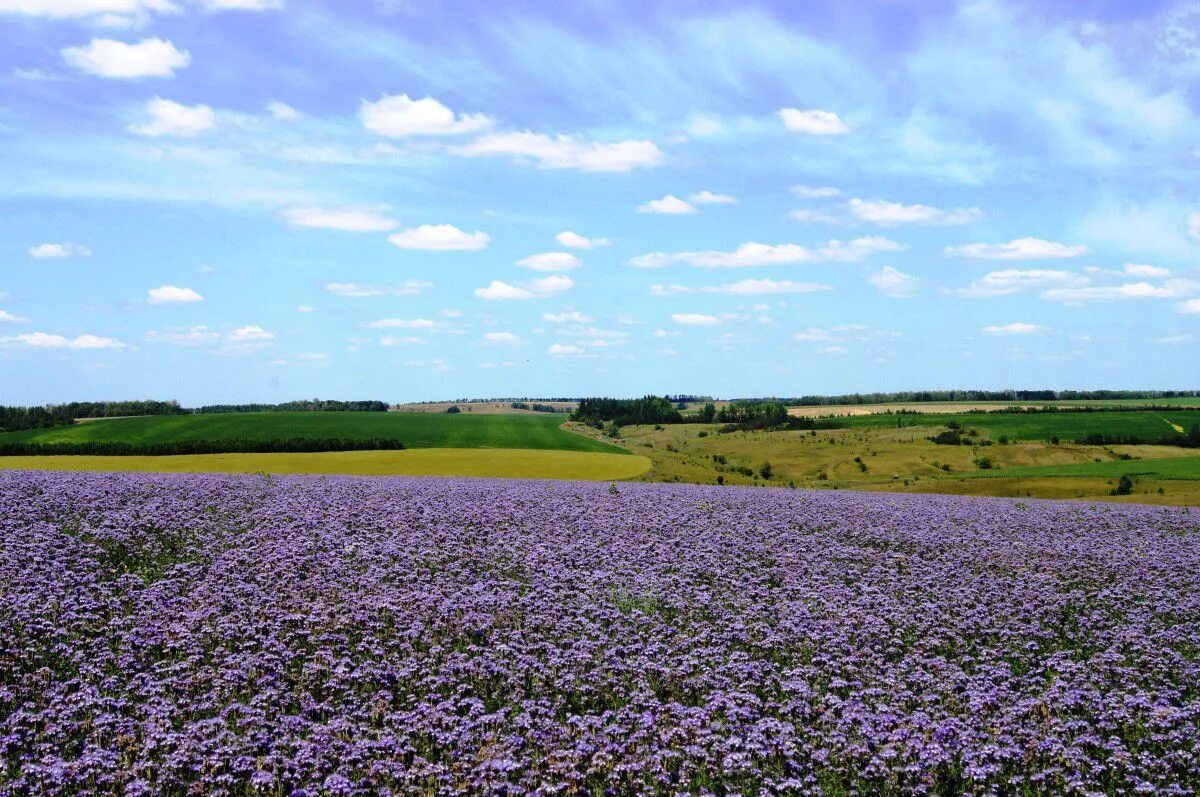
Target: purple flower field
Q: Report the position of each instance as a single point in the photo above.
(246, 635)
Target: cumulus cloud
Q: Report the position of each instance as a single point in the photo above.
(8, 317)
(109, 58)
(695, 319)
(168, 118)
(1171, 289)
(502, 338)
(573, 240)
(567, 152)
(402, 323)
(894, 283)
(172, 294)
(347, 219)
(399, 115)
(747, 287)
(1010, 280)
(187, 336)
(565, 349)
(709, 198)
(669, 205)
(43, 340)
(1018, 249)
(357, 290)
(408, 340)
(842, 333)
(759, 254)
(1015, 328)
(498, 290)
(567, 317)
(550, 261)
(813, 122)
(112, 12)
(282, 112)
(440, 238)
(810, 216)
(1190, 306)
(1144, 270)
(58, 251)
(884, 213)
(815, 191)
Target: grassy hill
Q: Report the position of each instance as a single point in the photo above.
(416, 430)
(1042, 426)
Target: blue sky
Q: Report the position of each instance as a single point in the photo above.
(231, 200)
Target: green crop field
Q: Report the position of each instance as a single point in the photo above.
(492, 462)
(1149, 425)
(1173, 468)
(415, 429)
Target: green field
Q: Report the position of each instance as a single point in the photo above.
(1040, 426)
(414, 429)
(492, 462)
(1173, 468)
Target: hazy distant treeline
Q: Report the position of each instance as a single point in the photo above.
(987, 395)
(287, 445)
(309, 405)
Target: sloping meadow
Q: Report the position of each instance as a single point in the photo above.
(242, 635)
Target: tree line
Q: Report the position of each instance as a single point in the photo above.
(308, 405)
(285, 445)
(918, 396)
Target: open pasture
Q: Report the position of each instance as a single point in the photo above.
(415, 430)
(176, 634)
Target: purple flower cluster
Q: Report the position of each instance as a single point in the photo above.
(247, 635)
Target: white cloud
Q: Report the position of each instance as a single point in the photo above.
(567, 317)
(548, 286)
(882, 212)
(1018, 249)
(440, 238)
(241, 5)
(168, 118)
(894, 283)
(815, 191)
(190, 336)
(43, 340)
(109, 58)
(1190, 306)
(550, 261)
(58, 251)
(347, 219)
(502, 291)
(282, 112)
(813, 123)
(398, 115)
(709, 198)
(758, 254)
(573, 240)
(1009, 281)
(1193, 225)
(1015, 328)
(248, 335)
(402, 341)
(565, 348)
(172, 294)
(112, 11)
(305, 308)
(502, 338)
(747, 287)
(669, 205)
(356, 290)
(567, 152)
(10, 318)
(695, 319)
(402, 323)
(810, 216)
(1171, 289)
(1143, 270)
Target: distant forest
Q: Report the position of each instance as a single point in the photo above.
(916, 396)
(15, 419)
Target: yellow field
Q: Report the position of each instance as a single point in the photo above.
(493, 462)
